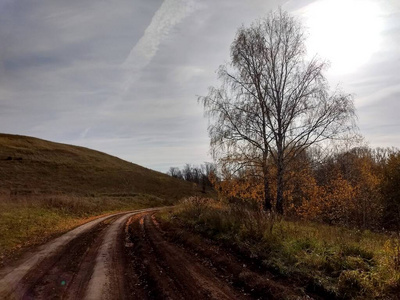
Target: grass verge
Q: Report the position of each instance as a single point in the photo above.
(332, 262)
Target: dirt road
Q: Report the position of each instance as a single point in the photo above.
(130, 256)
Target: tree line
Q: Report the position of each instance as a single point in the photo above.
(359, 187)
(354, 187)
(201, 175)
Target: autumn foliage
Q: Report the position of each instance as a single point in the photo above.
(356, 188)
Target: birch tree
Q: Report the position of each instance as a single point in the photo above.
(273, 102)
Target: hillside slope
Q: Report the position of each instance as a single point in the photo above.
(31, 166)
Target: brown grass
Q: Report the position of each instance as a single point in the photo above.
(31, 166)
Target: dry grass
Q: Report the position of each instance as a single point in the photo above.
(333, 261)
(30, 166)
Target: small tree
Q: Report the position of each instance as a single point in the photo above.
(272, 102)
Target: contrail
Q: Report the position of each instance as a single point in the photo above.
(170, 13)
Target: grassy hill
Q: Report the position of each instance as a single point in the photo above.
(48, 188)
(31, 166)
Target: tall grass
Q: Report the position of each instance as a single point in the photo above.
(332, 261)
(206, 214)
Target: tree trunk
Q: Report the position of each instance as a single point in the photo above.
(280, 188)
(267, 194)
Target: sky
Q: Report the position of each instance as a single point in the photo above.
(123, 76)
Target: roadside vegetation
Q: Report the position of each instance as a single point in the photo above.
(329, 261)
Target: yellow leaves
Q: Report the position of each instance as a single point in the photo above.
(352, 188)
(333, 203)
(348, 194)
(241, 188)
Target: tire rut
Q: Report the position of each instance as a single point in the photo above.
(107, 280)
(168, 272)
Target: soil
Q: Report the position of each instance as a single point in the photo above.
(135, 256)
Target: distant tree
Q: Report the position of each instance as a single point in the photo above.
(187, 173)
(272, 102)
(333, 203)
(243, 186)
(208, 172)
(364, 173)
(382, 155)
(202, 175)
(175, 172)
(197, 174)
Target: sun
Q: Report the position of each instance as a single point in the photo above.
(345, 32)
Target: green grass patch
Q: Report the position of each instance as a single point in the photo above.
(332, 261)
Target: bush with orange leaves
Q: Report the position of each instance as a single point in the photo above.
(346, 188)
(245, 188)
(332, 204)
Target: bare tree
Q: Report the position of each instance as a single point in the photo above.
(187, 173)
(175, 172)
(272, 101)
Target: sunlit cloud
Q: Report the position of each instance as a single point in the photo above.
(346, 32)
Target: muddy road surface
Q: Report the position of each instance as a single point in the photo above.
(131, 256)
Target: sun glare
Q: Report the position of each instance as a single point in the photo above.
(346, 32)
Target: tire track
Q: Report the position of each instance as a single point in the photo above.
(168, 272)
(106, 281)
